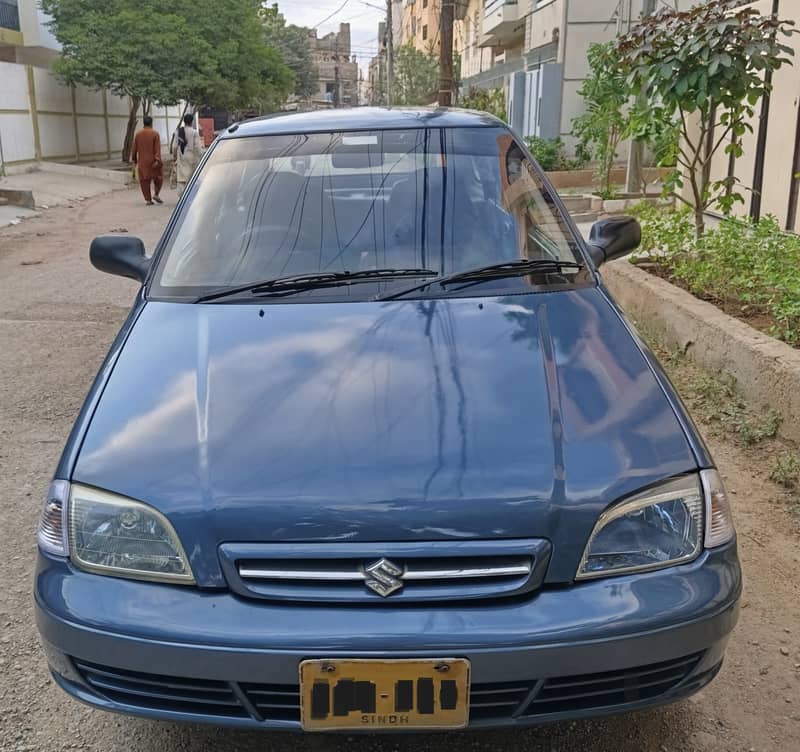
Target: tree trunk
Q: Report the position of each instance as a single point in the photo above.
(126, 147)
(699, 223)
(703, 203)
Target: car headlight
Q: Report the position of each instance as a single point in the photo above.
(110, 534)
(661, 527)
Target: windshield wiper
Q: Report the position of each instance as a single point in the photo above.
(493, 271)
(299, 282)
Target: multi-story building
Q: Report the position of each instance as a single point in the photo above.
(420, 25)
(467, 38)
(536, 50)
(24, 36)
(337, 69)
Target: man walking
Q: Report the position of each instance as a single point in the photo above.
(187, 151)
(146, 155)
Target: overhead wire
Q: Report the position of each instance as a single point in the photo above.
(328, 18)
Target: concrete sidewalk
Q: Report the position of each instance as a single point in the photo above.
(11, 215)
(51, 189)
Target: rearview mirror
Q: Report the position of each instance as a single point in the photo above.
(613, 237)
(120, 254)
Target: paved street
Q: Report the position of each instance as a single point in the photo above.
(57, 318)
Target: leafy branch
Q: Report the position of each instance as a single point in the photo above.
(716, 58)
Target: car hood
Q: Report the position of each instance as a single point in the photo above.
(513, 417)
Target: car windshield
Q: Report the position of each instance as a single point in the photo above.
(441, 199)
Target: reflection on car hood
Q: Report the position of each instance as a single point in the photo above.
(513, 417)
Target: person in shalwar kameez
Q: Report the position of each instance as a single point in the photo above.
(146, 155)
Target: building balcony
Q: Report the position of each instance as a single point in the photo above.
(9, 15)
(503, 23)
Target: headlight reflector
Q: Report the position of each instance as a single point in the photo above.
(52, 533)
(719, 519)
(659, 527)
(111, 534)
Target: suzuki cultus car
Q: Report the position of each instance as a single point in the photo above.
(375, 449)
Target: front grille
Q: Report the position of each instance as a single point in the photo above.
(490, 702)
(498, 700)
(589, 691)
(275, 702)
(397, 572)
(194, 696)
(486, 701)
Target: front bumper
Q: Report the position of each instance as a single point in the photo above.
(593, 648)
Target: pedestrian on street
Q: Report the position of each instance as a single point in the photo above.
(146, 155)
(187, 150)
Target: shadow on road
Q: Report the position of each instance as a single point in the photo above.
(665, 728)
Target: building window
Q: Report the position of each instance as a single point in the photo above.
(424, 3)
(413, 27)
(424, 32)
(9, 15)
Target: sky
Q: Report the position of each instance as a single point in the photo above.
(363, 20)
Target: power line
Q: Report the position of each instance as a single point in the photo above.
(327, 18)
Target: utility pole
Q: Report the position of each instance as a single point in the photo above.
(389, 53)
(446, 19)
(634, 181)
(336, 70)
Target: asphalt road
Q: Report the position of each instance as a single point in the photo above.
(57, 318)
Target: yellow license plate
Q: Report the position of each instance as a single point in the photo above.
(391, 694)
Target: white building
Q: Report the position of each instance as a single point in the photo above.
(24, 36)
(536, 50)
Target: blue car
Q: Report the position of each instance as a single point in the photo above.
(375, 449)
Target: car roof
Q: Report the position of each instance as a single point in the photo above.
(361, 119)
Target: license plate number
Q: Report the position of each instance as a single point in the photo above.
(390, 694)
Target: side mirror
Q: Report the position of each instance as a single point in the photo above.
(613, 237)
(119, 254)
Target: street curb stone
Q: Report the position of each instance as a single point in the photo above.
(766, 370)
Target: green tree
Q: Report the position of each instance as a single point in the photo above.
(416, 76)
(707, 67)
(293, 44)
(168, 50)
(248, 73)
(603, 125)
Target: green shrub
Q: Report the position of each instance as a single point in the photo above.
(551, 155)
(492, 101)
(751, 270)
(786, 470)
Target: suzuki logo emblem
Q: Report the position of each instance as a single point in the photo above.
(383, 576)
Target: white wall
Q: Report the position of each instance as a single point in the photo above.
(49, 112)
(15, 120)
(541, 23)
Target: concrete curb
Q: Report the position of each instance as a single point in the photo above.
(18, 198)
(98, 173)
(767, 371)
(584, 178)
